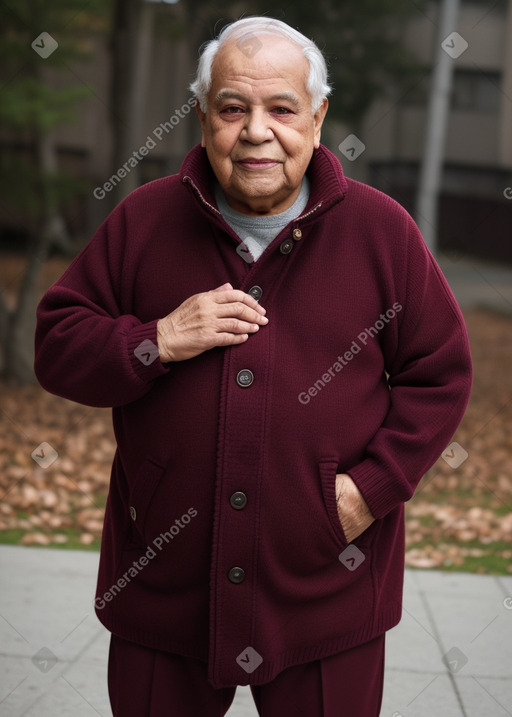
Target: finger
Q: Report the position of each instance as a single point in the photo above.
(241, 311)
(234, 326)
(237, 296)
(230, 339)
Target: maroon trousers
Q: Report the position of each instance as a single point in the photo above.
(148, 683)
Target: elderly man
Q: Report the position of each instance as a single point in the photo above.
(284, 361)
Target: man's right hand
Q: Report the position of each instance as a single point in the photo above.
(221, 317)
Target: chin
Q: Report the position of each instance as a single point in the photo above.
(259, 188)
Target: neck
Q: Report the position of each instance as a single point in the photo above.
(262, 206)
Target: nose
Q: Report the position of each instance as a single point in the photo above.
(257, 128)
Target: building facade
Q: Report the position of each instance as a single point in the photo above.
(475, 209)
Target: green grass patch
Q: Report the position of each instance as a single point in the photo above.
(14, 537)
(493, 559)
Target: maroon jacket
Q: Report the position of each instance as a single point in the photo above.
(217, 469)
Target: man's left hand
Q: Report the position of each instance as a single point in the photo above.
(354, 514)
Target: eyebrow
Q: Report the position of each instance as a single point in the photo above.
(231, 94)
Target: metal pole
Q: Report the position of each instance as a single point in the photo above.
(448, 49)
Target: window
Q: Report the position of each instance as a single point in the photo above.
(476, 91)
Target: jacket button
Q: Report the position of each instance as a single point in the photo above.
(238, 500)
(133, 513)
(297, 234)
(286, 246)
(236, 575)
(245, 378)
(256, 292)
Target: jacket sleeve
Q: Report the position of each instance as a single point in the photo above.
(430, 376)
(87, 349)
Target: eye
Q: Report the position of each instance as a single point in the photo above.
(282, 111)
(232, 110)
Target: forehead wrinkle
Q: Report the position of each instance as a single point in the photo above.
(233, 94)
(256, 73)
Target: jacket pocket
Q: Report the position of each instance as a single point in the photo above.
(146, 481)
(328, 470)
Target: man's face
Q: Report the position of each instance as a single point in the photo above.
(259, 130)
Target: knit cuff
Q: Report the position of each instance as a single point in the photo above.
(143, 353)
(381, 492)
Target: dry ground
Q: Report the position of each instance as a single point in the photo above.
(459, 518)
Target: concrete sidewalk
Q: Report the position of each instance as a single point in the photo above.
(451, 656)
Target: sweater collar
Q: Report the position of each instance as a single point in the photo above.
(328, 183)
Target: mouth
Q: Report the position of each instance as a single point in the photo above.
(254, 164)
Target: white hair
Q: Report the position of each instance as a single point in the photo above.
(248, 29)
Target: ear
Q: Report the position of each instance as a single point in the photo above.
(319, 120)
(202, 120)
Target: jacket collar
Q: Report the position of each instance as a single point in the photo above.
(328, 183)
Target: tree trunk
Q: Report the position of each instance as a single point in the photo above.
(21, 323)
(131, 44)
(17, 324)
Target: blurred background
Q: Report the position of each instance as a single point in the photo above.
(94, 102)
